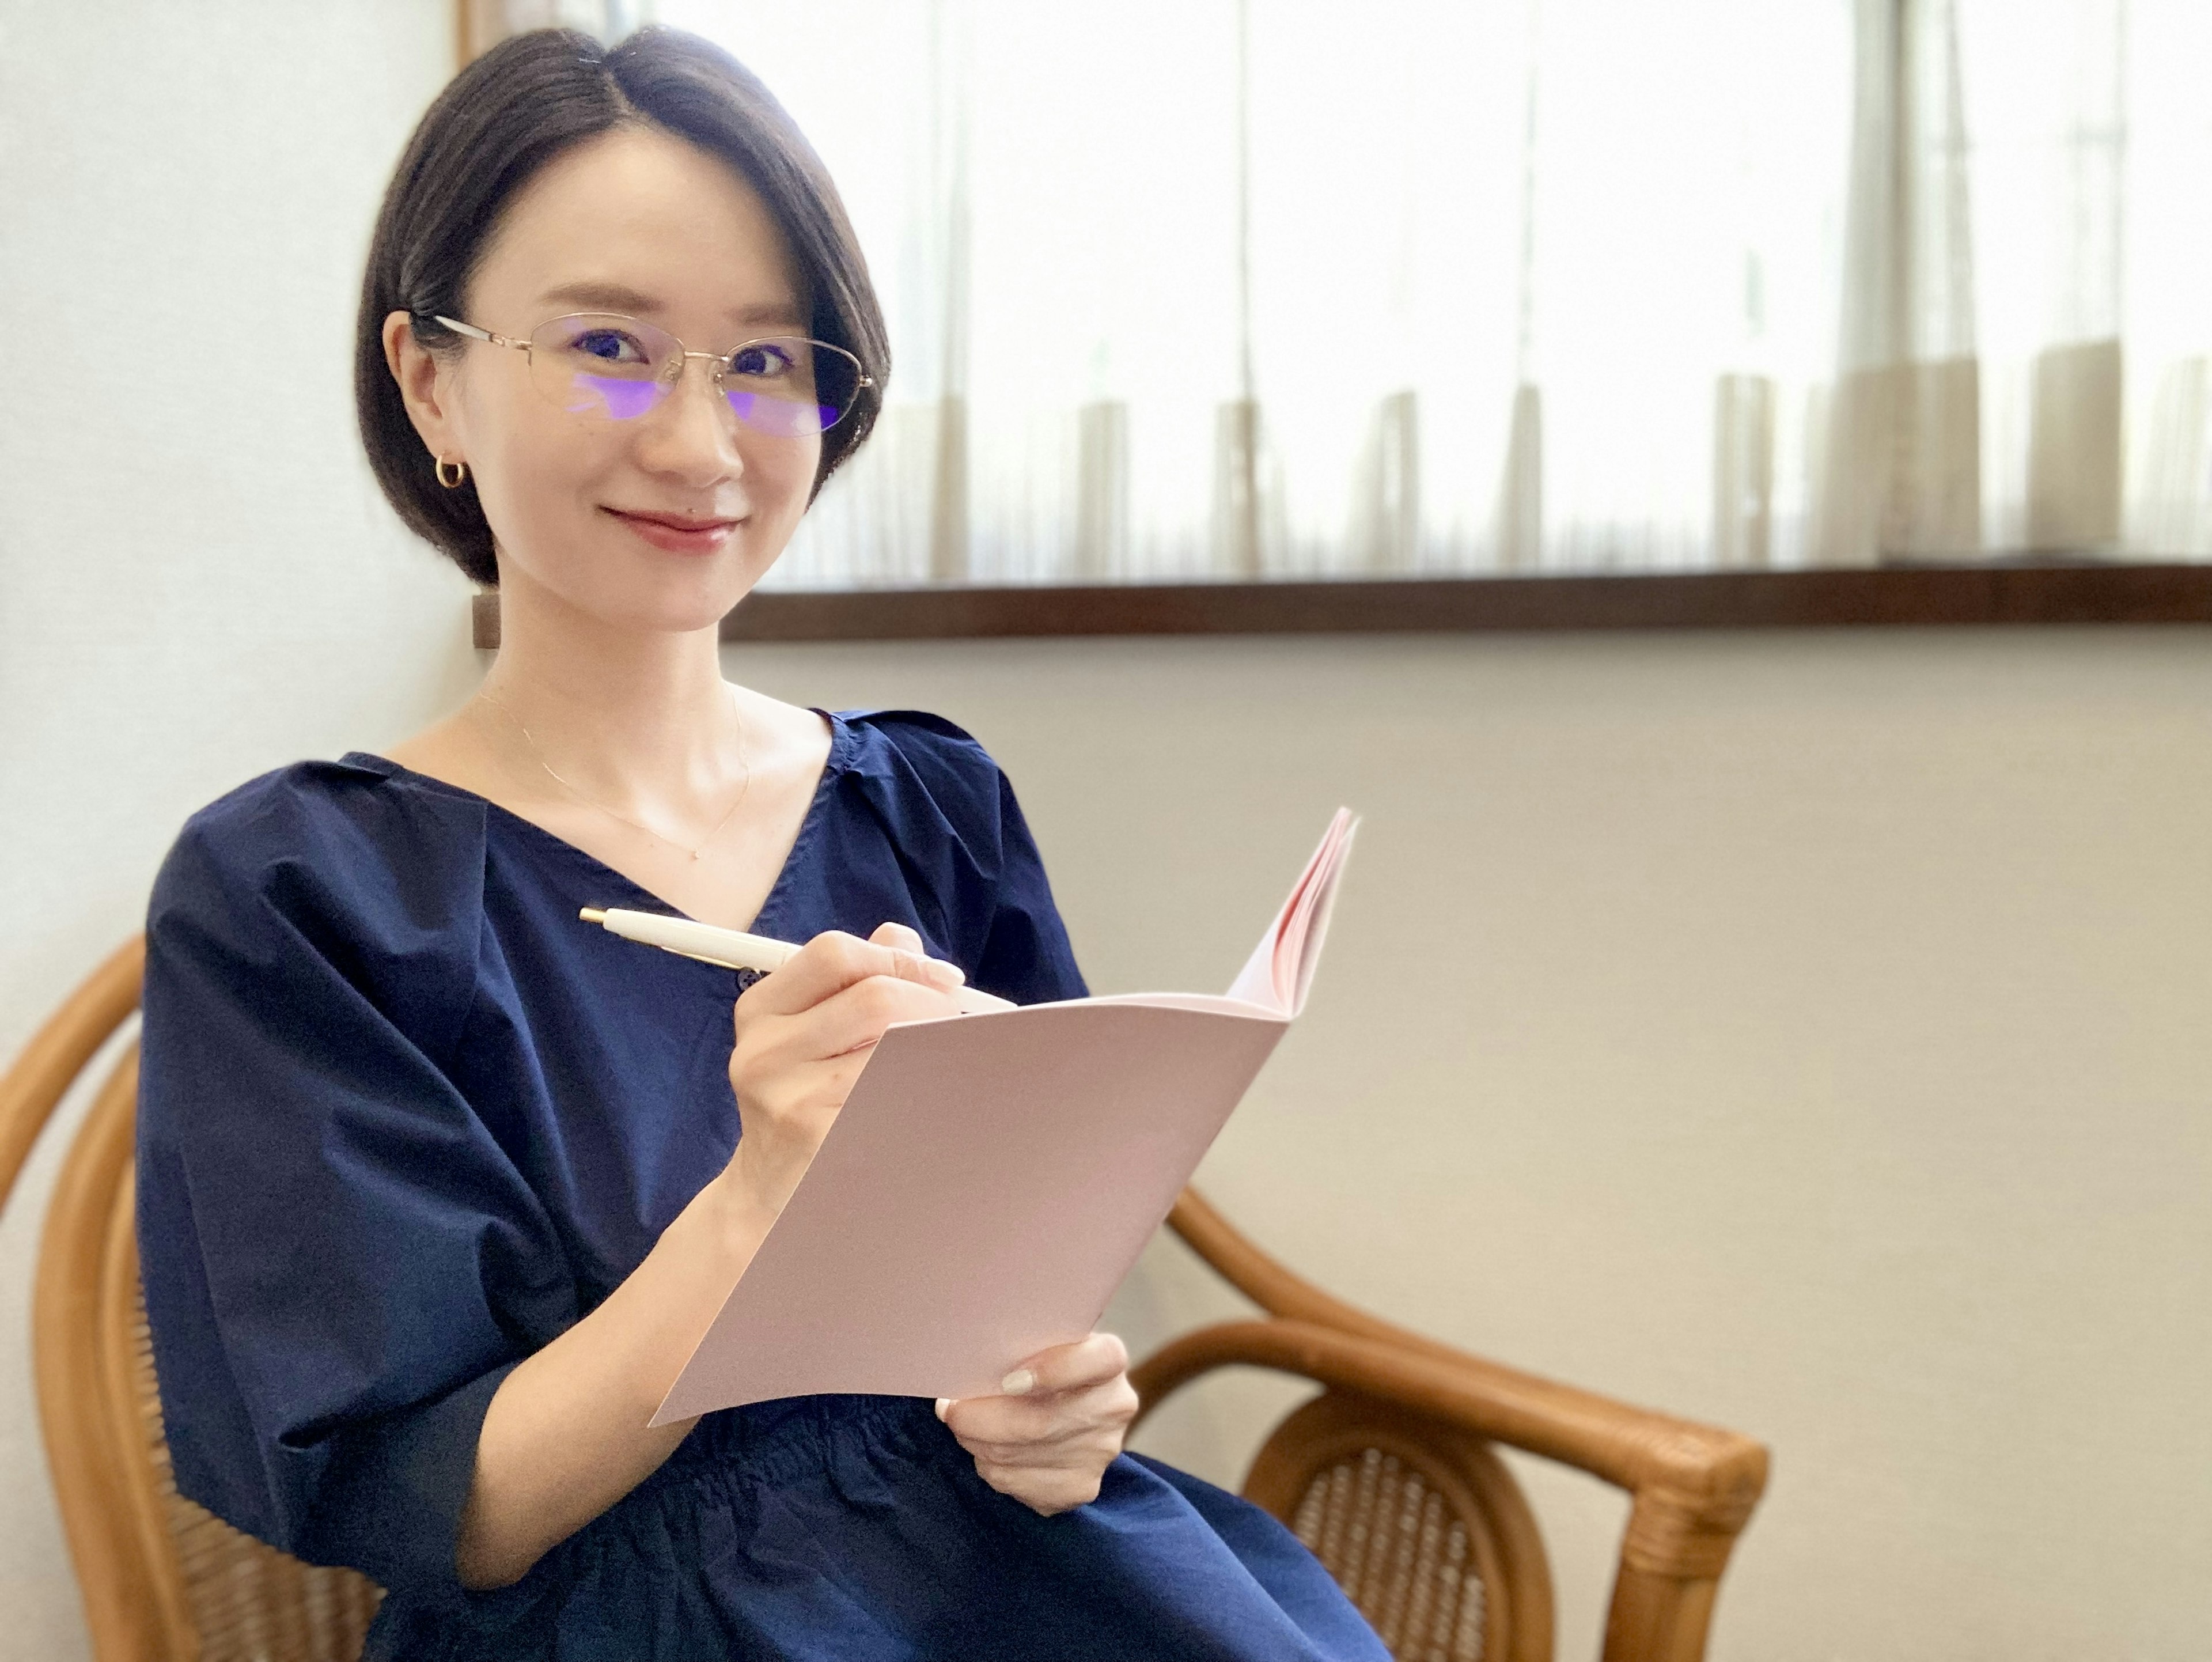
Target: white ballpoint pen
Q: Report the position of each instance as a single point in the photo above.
(733, 949)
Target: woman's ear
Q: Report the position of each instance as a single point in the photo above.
(423, 387)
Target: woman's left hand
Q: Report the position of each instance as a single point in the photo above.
(1048, 1441)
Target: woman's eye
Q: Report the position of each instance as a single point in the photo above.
(611, 344)
(760, 363)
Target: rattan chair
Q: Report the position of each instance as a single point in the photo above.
(1388, 1475)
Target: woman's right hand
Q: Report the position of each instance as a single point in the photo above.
(567, 1434)
(803, 1035)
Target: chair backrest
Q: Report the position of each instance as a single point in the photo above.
(164, 1579)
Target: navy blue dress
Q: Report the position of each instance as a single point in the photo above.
(403, 1120)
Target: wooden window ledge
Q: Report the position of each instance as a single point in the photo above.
(1992, 593)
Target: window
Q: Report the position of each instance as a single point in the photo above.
(1223, 289)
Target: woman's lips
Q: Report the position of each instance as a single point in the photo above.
(677, 533)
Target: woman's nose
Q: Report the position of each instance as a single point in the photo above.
(693, 433)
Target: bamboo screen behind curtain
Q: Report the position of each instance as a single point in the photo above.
(1223, 289)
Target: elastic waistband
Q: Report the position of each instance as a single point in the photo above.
(771, 1442)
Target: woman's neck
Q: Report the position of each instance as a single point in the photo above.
(628, 716)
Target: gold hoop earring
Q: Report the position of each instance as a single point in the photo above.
(460, 473)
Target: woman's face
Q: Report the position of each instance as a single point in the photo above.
(666, 519)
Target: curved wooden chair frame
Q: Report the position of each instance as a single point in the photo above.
(1391, 1475)
(163, 1579)
(1438, 1411)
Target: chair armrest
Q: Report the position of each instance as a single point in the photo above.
(1632, 1448)
(1279, 1289)
(1693, 1487)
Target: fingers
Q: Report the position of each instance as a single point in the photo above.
(1050, 1454)
(855, 1018)
(1088, 1361)
(1046, 1493)
(800, 1035)
(898, 937)
(834, 961)
(1048, 1442)
(1042, 1397)
(1040, 1431)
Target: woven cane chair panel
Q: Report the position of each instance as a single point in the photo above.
(1396, 1546)
(1419, 1524)
(245, 1601)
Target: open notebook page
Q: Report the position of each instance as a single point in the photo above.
(1281, 967)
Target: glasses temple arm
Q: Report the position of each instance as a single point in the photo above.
(475, 333)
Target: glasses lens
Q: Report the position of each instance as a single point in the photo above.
(790, 386)
(598, 364)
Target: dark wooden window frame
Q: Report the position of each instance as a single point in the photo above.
(1990, 592)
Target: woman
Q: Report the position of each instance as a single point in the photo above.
(438, 1189)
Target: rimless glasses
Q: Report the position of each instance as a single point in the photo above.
(603, 364)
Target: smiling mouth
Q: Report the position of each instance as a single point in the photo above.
(677, 533)
(676, 522)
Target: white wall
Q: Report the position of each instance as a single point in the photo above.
(198, 580)
(1801, 1031)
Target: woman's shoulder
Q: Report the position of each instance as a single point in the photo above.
(360, 836)
(913, 741)
(917, 760)
(950, 810)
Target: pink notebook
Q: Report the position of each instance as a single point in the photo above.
(992, 1178)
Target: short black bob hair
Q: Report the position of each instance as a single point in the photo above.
(504, 116)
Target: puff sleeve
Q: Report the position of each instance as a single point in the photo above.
(341, 1260)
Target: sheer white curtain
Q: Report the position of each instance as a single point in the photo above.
(2028, 301)
(2093, 224)
(1250, 287)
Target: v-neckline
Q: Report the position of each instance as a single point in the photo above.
(832, 765)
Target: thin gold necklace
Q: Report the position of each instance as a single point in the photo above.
(591, 801)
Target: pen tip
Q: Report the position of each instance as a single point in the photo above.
(593, 915)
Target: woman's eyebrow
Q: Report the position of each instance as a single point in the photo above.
(779, 312)
(620, 297)
(603, 297)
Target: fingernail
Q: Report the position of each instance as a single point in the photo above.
(950, 974)
(942, 1403)
(1020, 1383)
